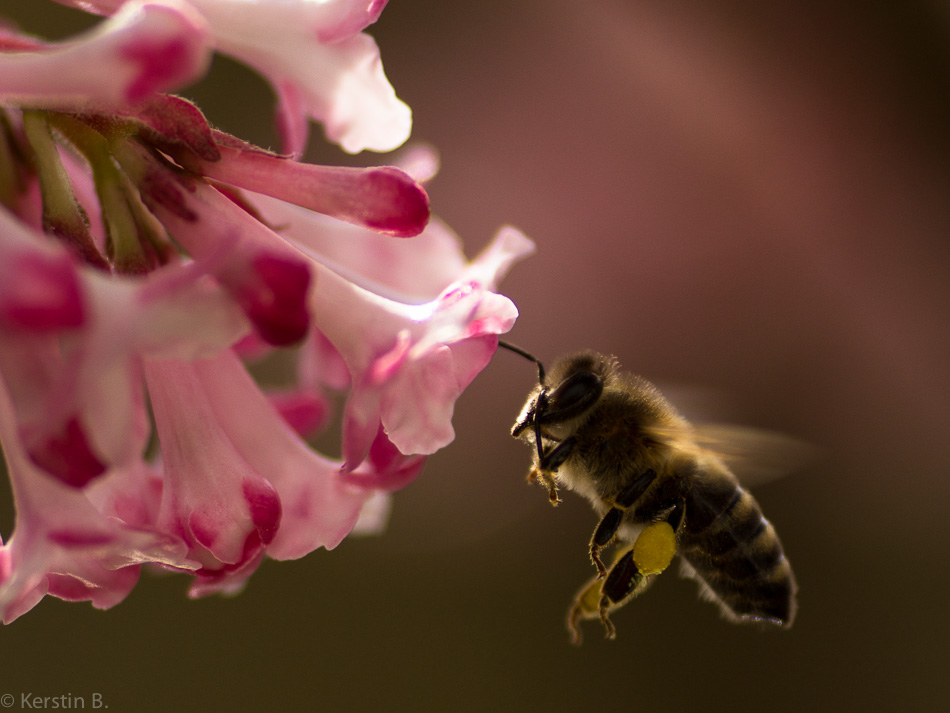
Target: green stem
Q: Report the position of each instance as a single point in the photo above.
(63, 216)
(130, 228)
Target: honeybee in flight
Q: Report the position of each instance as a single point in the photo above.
(613, 438)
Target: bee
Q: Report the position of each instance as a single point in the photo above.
(613, 437)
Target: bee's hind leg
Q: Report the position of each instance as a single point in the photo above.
(610, 522)
(599, 596)
(629, 575)
(586, 606)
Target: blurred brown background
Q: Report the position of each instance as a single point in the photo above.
(741, 197)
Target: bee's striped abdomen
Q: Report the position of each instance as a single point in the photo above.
(734, 551)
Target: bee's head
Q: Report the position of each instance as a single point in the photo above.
(570, 391)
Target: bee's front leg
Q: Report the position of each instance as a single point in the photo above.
(546, 480)
(553, 458)
(548, 462)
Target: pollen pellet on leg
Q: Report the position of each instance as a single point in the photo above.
(654, 548)
(588, 599)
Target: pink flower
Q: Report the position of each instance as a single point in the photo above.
(143, 255)
(383, 199)
(391, 348)
(212, 499)
(408, 361)
(144, 48)
(412, 361)
(71, 545)
(318, 508)
(321, 66)
(264, 273)
(319, 62)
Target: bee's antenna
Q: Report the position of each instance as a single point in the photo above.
(541, 401)
(526, 355)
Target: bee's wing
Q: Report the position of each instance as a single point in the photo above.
(755, 455)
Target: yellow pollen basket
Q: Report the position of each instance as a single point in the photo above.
(588, 600)
(654, 548)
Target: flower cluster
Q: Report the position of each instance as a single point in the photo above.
(145, 257)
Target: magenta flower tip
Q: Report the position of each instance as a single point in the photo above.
(145, 47)
(408, 202)
(275, 299)
(162, 62)
(68, 456)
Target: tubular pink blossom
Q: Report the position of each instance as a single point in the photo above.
(319, 508)
(215, 501)
(145, 47)
(320, 64)
(409, 363)
(63, 544)
(175, 313)
(383, 199)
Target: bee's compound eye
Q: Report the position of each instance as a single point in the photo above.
(573, 396)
